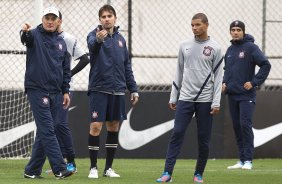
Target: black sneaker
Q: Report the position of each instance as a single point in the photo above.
(63, 174)
(32, 176)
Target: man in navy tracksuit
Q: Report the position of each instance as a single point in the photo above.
(110, 75)
(47, 77)
(240, 82)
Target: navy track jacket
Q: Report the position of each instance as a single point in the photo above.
(240, 61)
(47, 61)
(111, 69)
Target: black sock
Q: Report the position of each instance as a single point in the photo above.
(70, 159)
(111, 147)
(93, 146)
(200, 167)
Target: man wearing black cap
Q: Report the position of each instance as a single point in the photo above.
(47, 86)
(239, 83)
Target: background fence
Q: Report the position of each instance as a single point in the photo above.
(153, 29)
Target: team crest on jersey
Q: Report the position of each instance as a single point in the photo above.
(60, 46)
(95, 114)
(120, 43)
(207, 51)
(45, 100)
(242, 54)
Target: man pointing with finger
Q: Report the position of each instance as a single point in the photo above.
(47, 77)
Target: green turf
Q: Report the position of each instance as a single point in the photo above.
(145, 171)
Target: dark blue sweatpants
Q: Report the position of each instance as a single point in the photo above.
(183, 116)
(241, 113)
(64, 134)
(45, 108)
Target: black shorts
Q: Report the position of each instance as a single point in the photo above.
(106, 107)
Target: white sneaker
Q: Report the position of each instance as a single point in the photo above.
(239, 165)
(248, 165)
(93, 173)
(111, 173)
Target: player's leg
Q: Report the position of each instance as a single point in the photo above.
(37, 160)
(183, 115)
(111, 147)
(64, 136)
(204, 127)
(234, 109)
(98, 105)
(41, 104)
(247, 109)
(94, 141)
(115, 114)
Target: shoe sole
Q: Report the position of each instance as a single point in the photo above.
(62, 177)
(164, 181)
(32, 177)
(111, 176)
(234, 168)
(93, 177)
(247, 168)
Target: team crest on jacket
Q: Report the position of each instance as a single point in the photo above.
(60, 46)
(45, 100)
(95, 114)
(242, 54)
(207, 51)
(120, 43)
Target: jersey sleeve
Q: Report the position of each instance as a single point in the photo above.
(218, 77)
(77, 50)
(176, 85)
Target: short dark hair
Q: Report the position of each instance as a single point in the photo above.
(201, 16)
(108, 8)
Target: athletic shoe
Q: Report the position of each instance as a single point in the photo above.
(28, 176)
(63, 174)
(248, 165)
(239, 165)
(165, 177)
(198, 179)
(93, 173)
(111, 173)
(71, 167)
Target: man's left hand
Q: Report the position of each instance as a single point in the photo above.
(66, 101)
(134, 98)
(215, 110)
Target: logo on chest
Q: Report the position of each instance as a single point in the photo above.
(60, 46)
(207, 51)
(242, 54)
(120, 43)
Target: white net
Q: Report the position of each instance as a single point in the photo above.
(17, 126)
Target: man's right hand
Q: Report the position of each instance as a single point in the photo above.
(223, 88)
(101, 35)
(26, 27)
(172, 106)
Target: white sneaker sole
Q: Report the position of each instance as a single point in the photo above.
(231, 167)
(93, 177)
(245, 168)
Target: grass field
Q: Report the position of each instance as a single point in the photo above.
(145, 171)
